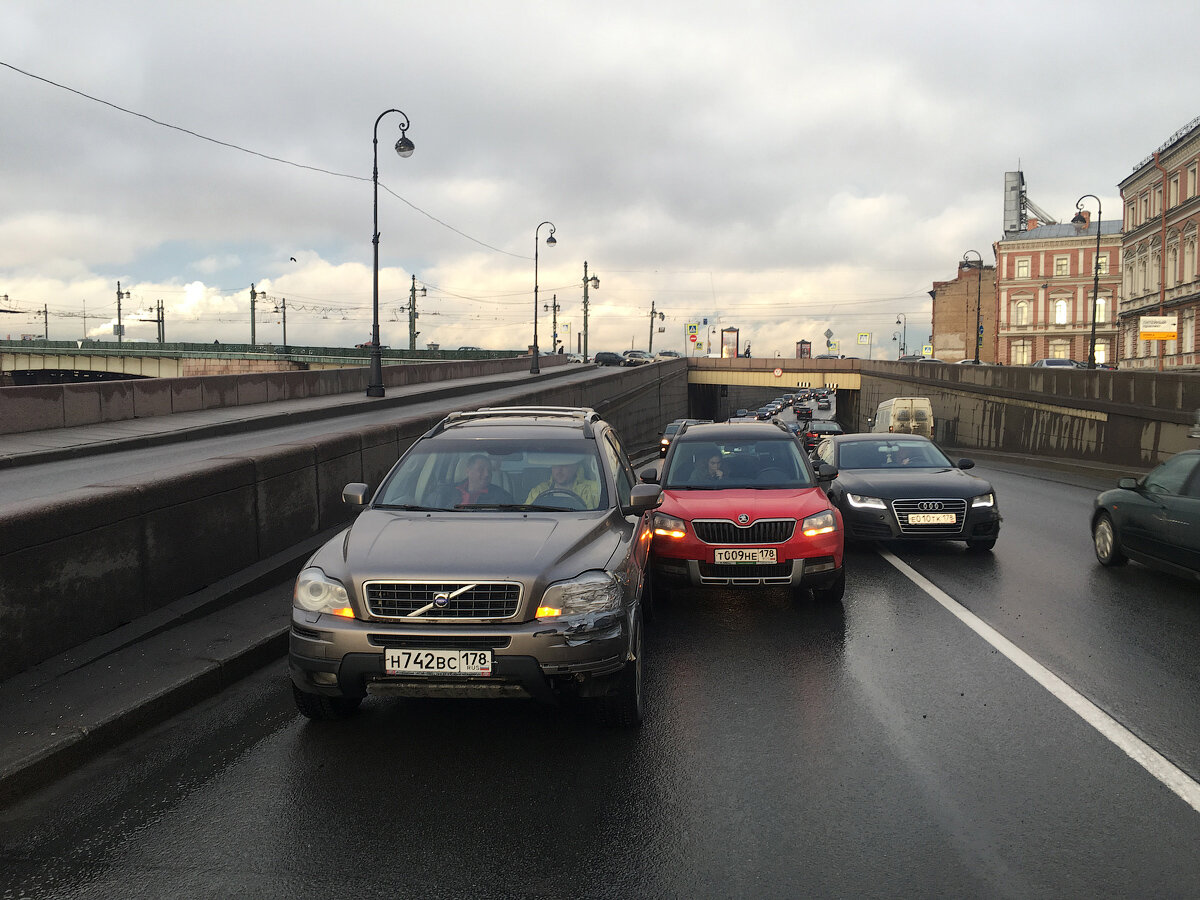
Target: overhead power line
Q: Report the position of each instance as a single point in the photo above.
(276, 159)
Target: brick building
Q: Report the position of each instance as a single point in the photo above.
(1044, 285)
(955, 314)
(1155, 283)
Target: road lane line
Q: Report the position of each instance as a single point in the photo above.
(1138, 750)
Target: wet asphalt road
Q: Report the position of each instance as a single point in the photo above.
(870, 748)
(876, 747)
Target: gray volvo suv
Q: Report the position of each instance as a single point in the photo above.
(503, 555)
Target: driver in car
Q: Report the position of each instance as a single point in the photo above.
(567, 476)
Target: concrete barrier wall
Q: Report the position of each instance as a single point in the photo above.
(1135, 419)
(79, 564)
(39, 407)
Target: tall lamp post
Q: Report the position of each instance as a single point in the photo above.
(594, 284)
(534, 368)
(904, 335)
(976, 263)
(1080, 220)
(404, 147)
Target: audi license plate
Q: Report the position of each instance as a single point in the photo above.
(437, 662)
(745, 556)
(931, 519)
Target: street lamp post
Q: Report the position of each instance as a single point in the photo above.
(404, 147)
(978, 263)
(1079, 220)
(594, 284)
(904, 334)
(534, 368)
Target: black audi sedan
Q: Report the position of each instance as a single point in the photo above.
(902, 487)
(1154, 520)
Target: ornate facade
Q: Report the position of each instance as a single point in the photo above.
(1156, 283)
(1044, 283)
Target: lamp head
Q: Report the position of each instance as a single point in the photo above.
(1079, 219)
(595, 280)
(404, 147)
(550, 241)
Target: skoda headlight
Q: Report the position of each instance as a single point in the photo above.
(668, 526)
(317, 592)
(592, 592)
(858, 501)
(988, 499)
(821, 523)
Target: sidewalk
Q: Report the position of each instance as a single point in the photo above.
(25, 448)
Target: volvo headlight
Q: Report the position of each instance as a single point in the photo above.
(988, 499)
(317, 592)
(668, 526)
(592, 592)
(821, 523)
(858, 501)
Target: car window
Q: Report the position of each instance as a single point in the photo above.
(891, 454)
(1169, 478)
(611, 448)
(750, 463)
(447, 473)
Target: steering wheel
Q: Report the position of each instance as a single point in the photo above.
(572, 499)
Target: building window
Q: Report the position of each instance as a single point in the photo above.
(1173, 196)
(1022, 268)
(1101, 311)
(1156, 205)
(1101, 351)
(1172, 266)
(1191, 181)
(1145, 210)
(1021, 353)
(1188, 331)
(1102, 263)
(1062, 265)
(1021, 313)
(1189, 261)
(1060, 348)
(1130, 216)
(1060, 312)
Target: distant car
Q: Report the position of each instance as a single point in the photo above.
(823, 403)
(369, 344)
(608, 358)
(972, 362)
(671, 430)
(668, 354)
(904, 488)
(574, 358)
(817, 429)
(803, 411)
(1055, 363)
(470, 348)
(742, 507)
(636, 358)
(1154, 520)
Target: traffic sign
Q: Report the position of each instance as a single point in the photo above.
(692, 338)
(778, 373)
(864, 337)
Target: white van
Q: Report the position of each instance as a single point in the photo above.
(904, 415)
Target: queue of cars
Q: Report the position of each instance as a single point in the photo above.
(394, 606)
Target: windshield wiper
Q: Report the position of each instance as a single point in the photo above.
(409, 507)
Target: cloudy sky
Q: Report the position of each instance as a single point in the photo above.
(779, 167)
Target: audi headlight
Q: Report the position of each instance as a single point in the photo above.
(858, 501)
(317, 592)
(668, 526)
(821, 523)
(988, 499)
(592, 592)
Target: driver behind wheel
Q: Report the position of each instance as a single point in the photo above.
(567, 475)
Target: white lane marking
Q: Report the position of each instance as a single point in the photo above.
(1138, 750)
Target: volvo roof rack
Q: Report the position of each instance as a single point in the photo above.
(585, 416)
